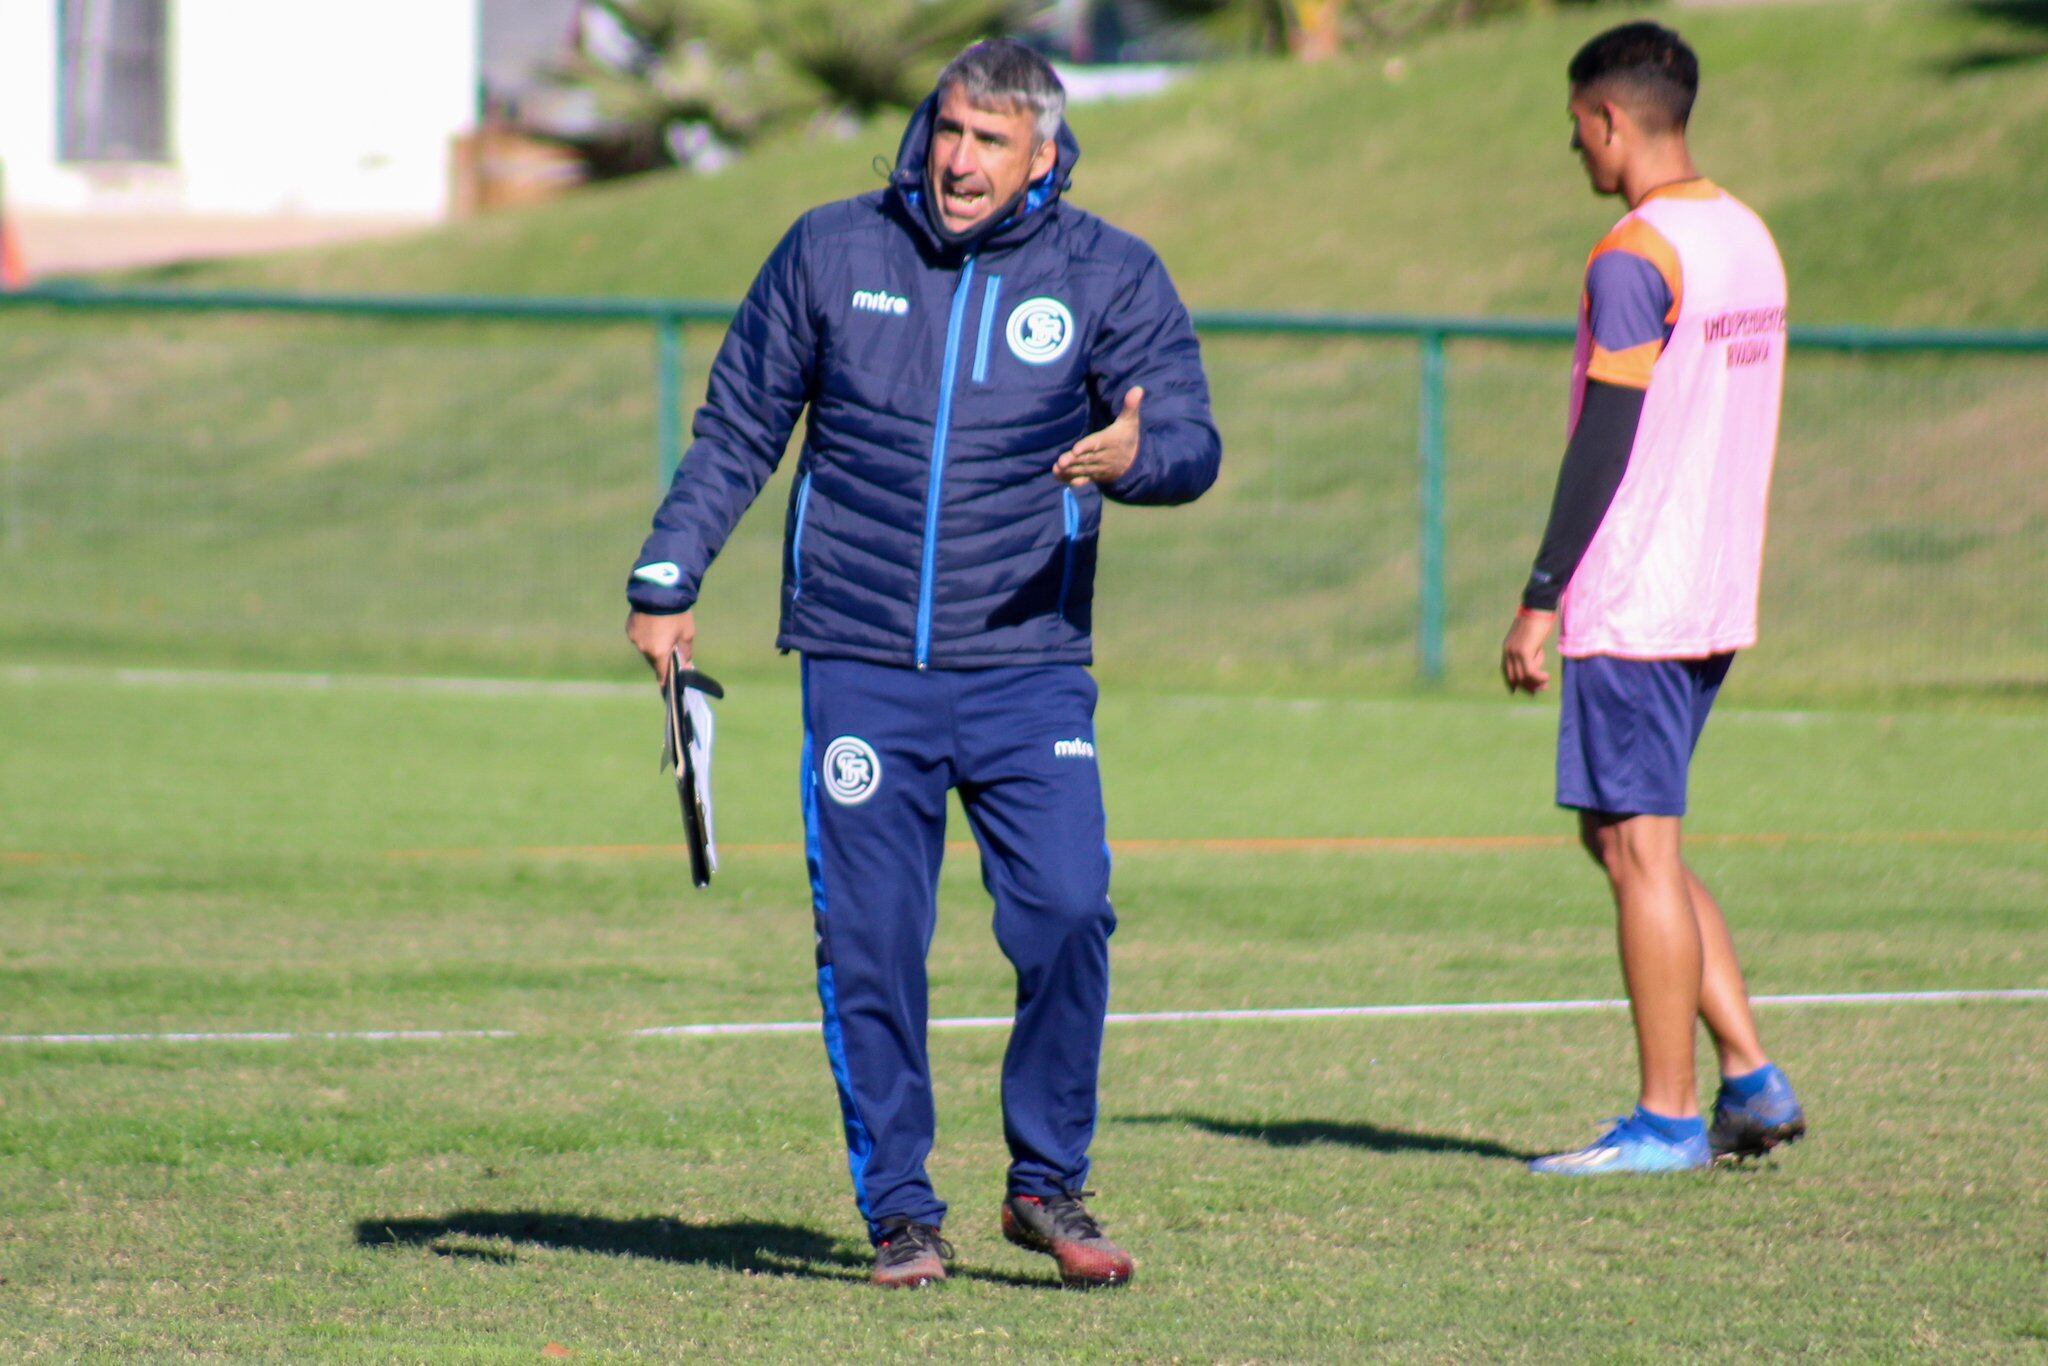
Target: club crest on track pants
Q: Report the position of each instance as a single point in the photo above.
(882, 747)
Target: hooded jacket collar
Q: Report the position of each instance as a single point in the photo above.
(908, 186)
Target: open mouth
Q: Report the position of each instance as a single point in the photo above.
(962, 201)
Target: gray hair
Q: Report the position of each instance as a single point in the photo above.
(1002, 73)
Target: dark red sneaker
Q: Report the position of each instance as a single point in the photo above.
(909, 1255)
(1062, 1228)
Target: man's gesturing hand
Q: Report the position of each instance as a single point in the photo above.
(656, 635)
(1521, 654)
(1103, 457)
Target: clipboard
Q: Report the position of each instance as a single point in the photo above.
(686, 749)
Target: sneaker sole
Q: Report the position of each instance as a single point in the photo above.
(1618, 1173)
(1759, 1143)
(1015, 1231)
(914, 1280)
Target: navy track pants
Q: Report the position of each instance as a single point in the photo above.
(882, 746)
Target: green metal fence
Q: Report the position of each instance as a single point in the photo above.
(1508, 395)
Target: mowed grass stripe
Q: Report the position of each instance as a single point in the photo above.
(632, 1202)
(1275, 1015)
(1303, 844)
(478, 686)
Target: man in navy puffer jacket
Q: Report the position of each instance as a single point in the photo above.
(983, 364)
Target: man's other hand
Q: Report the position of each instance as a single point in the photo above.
(1521, 654)
(655, 636)
(1103, 457)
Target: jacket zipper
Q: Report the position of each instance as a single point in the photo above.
(796, 539)
(990, 293)
(1071, 506)
(933, 487)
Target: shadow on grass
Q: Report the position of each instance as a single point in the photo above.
(744, 1246)
(1992, 59)
(2028, 17)
(2018, 13)
(1302, 1133)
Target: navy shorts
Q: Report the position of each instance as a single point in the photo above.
(1626, 733)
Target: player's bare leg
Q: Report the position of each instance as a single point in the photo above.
(1756, 1109)
(1660, 951)
(1724, 996)
(1660, 960)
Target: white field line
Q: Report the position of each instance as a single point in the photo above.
(696, 1031)
(273, 1036)
(320, 682)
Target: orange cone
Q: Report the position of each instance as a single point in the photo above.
(13, 273)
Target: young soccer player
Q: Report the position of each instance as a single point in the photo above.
(1651, 559)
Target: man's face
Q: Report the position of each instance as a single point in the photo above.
(1598, 141)
(981, 158)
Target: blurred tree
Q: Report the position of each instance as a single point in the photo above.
(866, 55)
(673, 67)
(690, 80)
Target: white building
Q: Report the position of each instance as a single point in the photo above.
(252, 108)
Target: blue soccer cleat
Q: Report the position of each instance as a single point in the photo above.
(1630, 1148)
(1751, 1125)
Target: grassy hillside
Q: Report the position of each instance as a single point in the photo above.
(460, 497)
(1893, 146)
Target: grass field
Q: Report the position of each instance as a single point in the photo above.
(215, 854)
(322, 857)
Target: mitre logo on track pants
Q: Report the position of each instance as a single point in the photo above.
(882, 746)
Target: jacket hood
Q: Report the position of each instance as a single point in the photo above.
(907, 182)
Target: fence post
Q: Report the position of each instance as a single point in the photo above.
(668, 383)
(1430, 424)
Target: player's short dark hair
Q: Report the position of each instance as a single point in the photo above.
(1644, 66)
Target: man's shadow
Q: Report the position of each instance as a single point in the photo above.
(2027, 20)
(758, 1249)
(1302, 1133)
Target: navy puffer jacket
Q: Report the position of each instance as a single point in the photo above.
(943, 380)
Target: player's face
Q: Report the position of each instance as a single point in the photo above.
(981, 158)
(1594, 138)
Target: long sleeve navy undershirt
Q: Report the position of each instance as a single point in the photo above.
(1595, 459)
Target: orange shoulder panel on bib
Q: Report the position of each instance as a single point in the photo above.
(1638, 238)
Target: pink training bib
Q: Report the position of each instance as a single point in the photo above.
(1675, 568)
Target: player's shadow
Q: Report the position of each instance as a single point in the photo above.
(2018, 13)
(758, 1249)
(1302, 1133)
(2027, 18)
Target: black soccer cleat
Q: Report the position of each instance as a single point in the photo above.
(910, 1255)
(1062, 1229)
